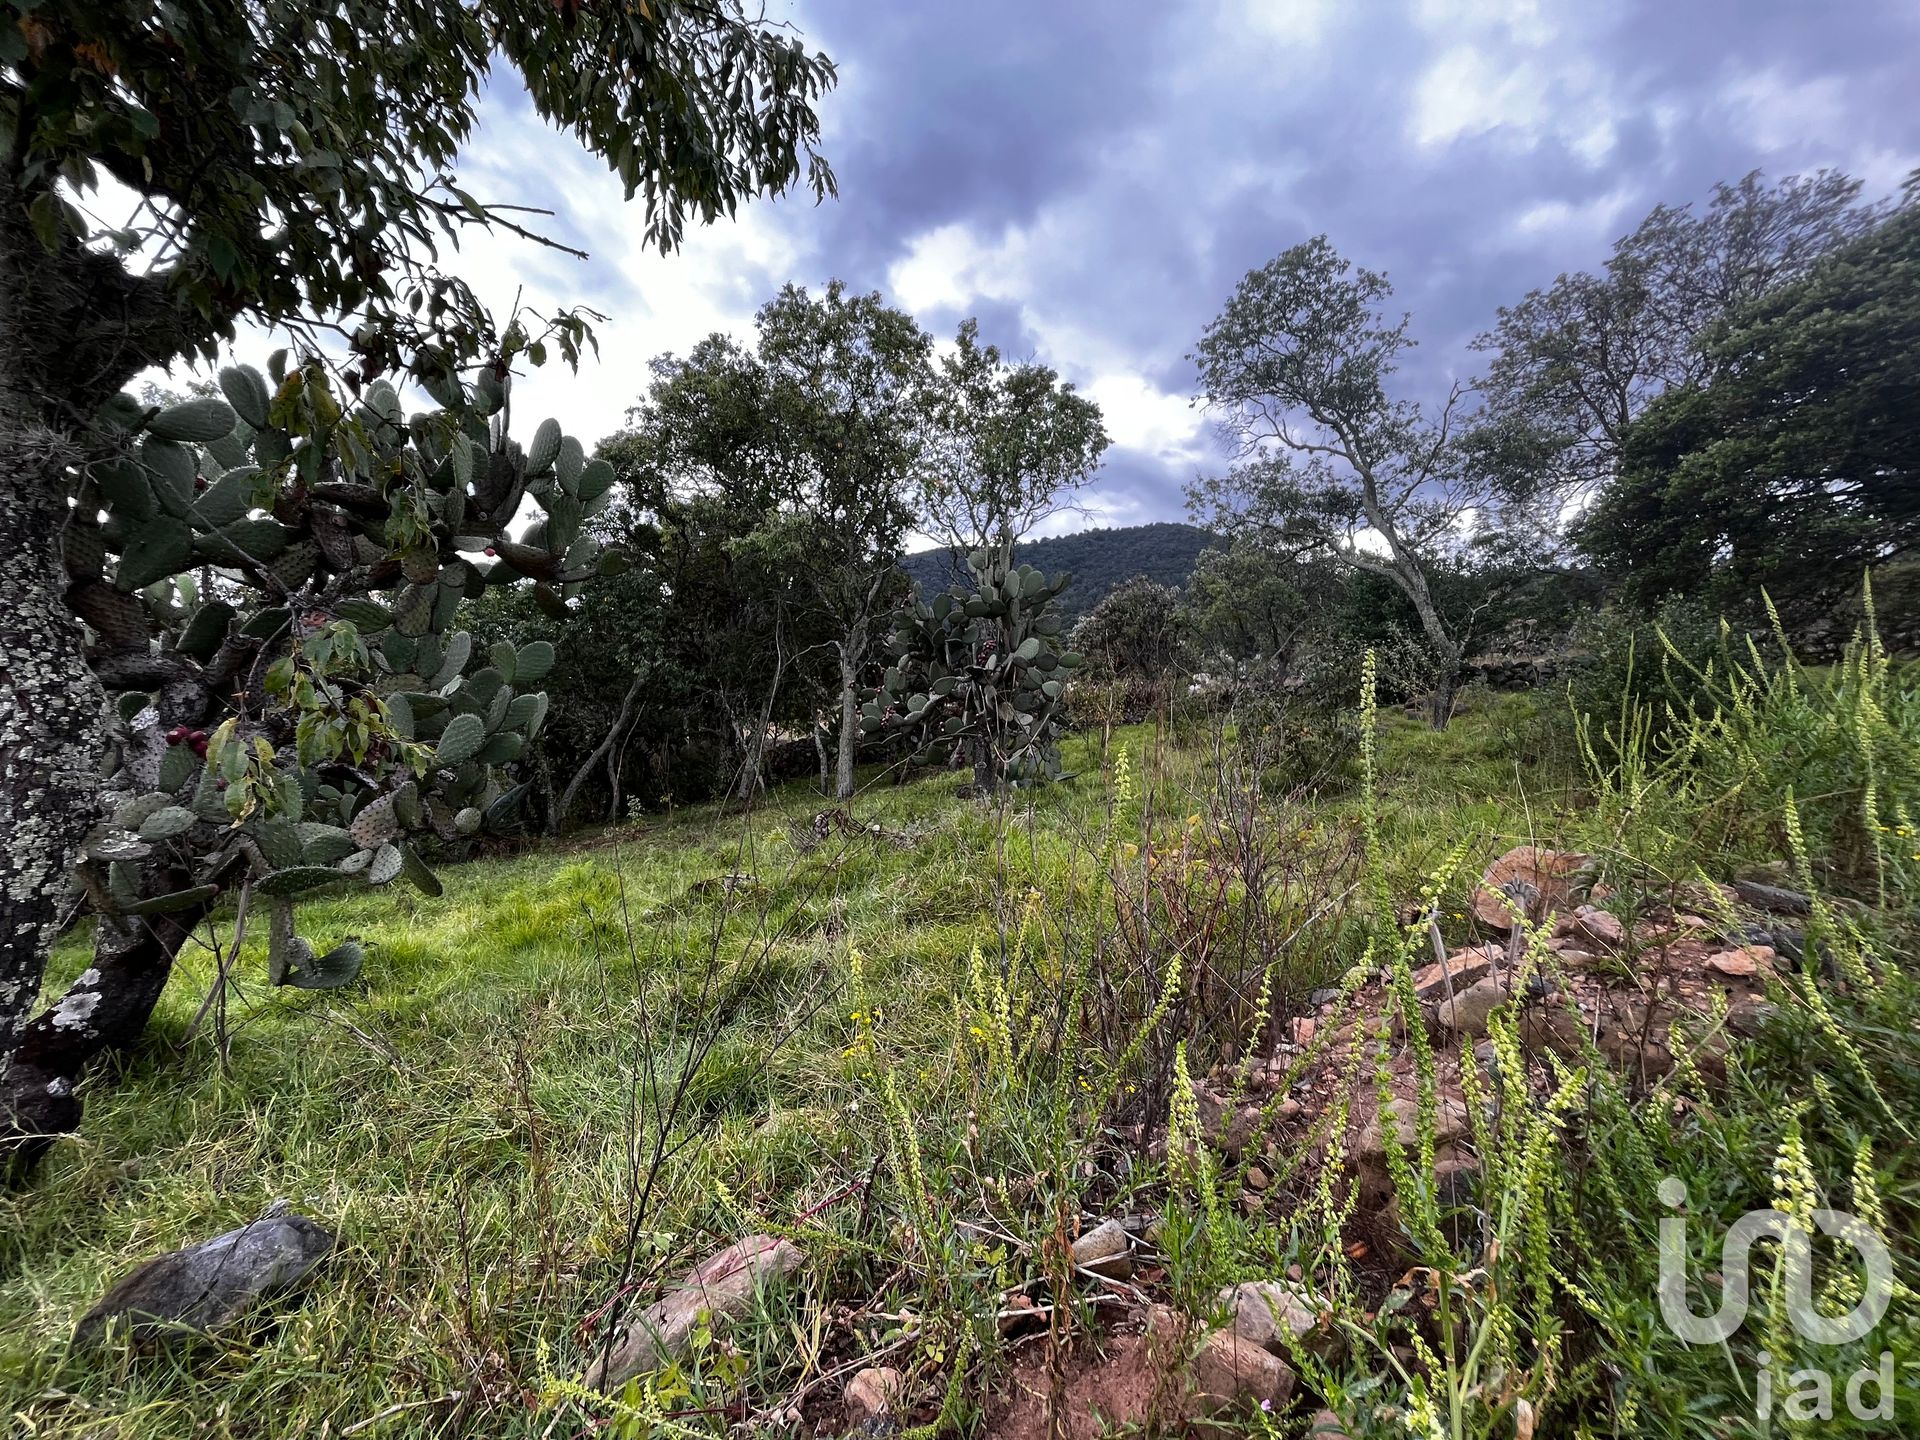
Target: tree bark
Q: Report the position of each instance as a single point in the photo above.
(51, 713)
(601, 753)
(849, 651)
(105, 1010)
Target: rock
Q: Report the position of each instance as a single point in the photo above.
(1461, 969)
(1748, 1017)
(1228, 1128)
(1370, 1150)
(1303, 1028)
(1598, 929)
(1467, 1012)
(1456, 1183)
(1634, 1037)
(1572, 956)
(1554, 1028)
(1745, 962)
(875, 1393)
(1325, 1425)
(1537, 881)
(1323, 996)
(1773, 897)
(210, 1285)
(1268, 1312)
(1231, 1375)
(1105, 1250)
(723, 1286)
(1450, 1125)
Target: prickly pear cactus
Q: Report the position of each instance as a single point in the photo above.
(270, 581)
(986, 670)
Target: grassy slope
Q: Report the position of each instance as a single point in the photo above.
(460, 1117)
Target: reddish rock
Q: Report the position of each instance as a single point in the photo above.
(1460, 969)
(1598, 929)
(1536, 880)
(1743, 962)
(1230, 1375)
(874, 1393)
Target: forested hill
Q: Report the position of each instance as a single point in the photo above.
(1099, 560)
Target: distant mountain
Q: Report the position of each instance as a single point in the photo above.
(1099, 560)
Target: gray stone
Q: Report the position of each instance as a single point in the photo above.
(1467, 1012)
(210, 1285)
(1105, 1250)
(1270, 1312)
(1230, 1375)
(722, 1286)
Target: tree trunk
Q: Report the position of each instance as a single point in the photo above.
(820, 749)
(105, 1010)
(751, 739)
(601, 752)
(985, 781)
(51, 714)
(849, 720)
(1413, 581)
(75, 326)
(1440, 706)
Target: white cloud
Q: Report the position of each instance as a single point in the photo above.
(1590, 220)
(1812, 121)
(1520, 70)
(1463, 94)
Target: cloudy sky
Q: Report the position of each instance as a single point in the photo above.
(1091, 177)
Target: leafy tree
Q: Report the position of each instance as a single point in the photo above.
(1247, 609)
(269, 600)
(849, 378)
(1795, 463)
(1009, 445)
(292, 167)
(1133, 634)
(1575, 364)
(711, 469)
(1297, 368)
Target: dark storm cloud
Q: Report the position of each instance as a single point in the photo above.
(1104, 173)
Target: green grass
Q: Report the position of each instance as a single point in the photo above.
(465, 1116)
(460, 1116)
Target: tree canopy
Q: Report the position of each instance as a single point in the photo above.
(1573, 365)
(1794, 463)
(1010, 444)
(1298, 367)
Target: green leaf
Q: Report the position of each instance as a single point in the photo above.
(194, 421)
(532, 663)
(545, 446)
(415, 869)
(161, 547)
(297, 880)
(462, 738)
(167, 822)
(339, 966)
(246, 391)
